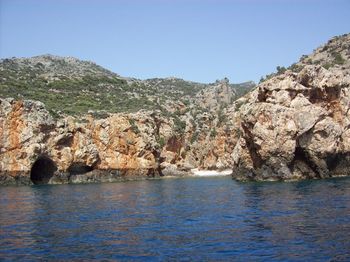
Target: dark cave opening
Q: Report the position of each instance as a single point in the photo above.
(79, 168)
(42, 170)
(302, 155)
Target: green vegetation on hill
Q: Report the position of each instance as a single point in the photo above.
(70, 86)
(334, 53)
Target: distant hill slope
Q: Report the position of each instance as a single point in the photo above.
(67, 85)
(335, 53)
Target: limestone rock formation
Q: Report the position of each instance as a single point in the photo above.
(99, 126)
(221, 93)
(33, 145)
(296, 126)
(35, 148)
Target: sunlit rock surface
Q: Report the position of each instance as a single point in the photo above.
(296, 126)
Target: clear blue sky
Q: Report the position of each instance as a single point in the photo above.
(199, 40)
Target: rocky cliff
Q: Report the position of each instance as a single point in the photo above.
(296, 124)
(94, 125)
(35, 148)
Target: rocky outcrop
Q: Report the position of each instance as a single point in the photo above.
(37, 149)
(165, 126)
(296, 126)
(219, 94)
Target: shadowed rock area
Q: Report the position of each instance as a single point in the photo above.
(42, 170)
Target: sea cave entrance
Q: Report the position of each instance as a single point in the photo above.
(78, 168)
(42, 170)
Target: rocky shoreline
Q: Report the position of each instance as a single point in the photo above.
(295, 125)
(101, 176)
(96, 176)
(37, 149)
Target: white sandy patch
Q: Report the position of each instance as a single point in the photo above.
(197, 172)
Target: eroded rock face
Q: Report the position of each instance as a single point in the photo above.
(293, 126)
(37, 149)
(296, 126)
(28, 135)
(25, 127)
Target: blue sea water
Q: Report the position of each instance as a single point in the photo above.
(189, 219)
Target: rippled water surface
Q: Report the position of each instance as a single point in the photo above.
(177, 219)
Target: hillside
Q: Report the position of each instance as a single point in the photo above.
(294, 125)
(334, 53)
(70, 86)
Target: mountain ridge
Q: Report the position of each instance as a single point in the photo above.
(49, 78)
